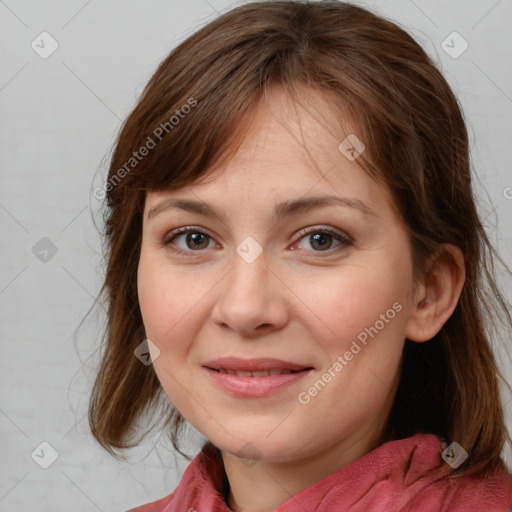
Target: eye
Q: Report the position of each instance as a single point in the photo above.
(194, 239)
(321, 239)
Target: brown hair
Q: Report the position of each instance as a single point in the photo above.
(416, 138)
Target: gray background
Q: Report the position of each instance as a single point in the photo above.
(59, 117)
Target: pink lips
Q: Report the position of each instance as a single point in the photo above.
(254, 377)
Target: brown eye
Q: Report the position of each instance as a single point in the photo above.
(196, 240)
(323, 239)
(193, 240)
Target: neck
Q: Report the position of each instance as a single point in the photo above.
(261, 486)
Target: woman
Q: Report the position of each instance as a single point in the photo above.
(293, 243)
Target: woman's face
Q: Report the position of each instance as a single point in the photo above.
(270, 281)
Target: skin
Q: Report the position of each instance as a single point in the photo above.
(295, 302)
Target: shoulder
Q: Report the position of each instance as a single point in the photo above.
(201, 483)
(489, 492)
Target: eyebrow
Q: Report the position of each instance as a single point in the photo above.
(281, 211)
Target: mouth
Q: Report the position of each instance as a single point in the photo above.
(255, 377)
(261, 367)
(257, 373)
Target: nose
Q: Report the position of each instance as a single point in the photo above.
(251, 299)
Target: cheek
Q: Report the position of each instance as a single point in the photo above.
(361, 335)
(171, 301)
(161, 307)
(360, 314)
(170, 321)
(348, 300)
(151, 289)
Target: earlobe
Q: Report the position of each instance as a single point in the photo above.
(439, 294)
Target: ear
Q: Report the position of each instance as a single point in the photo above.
(437, 295)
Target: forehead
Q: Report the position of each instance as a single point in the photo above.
(284, 130)
(289, 149)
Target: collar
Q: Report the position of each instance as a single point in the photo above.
(406, 475)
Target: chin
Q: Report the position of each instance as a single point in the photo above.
(255, 446)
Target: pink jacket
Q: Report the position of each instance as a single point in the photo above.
(391, 478)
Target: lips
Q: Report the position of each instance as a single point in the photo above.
(255, 378)
(259, 373)
(262, 367)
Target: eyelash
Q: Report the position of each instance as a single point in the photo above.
(345, 241)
